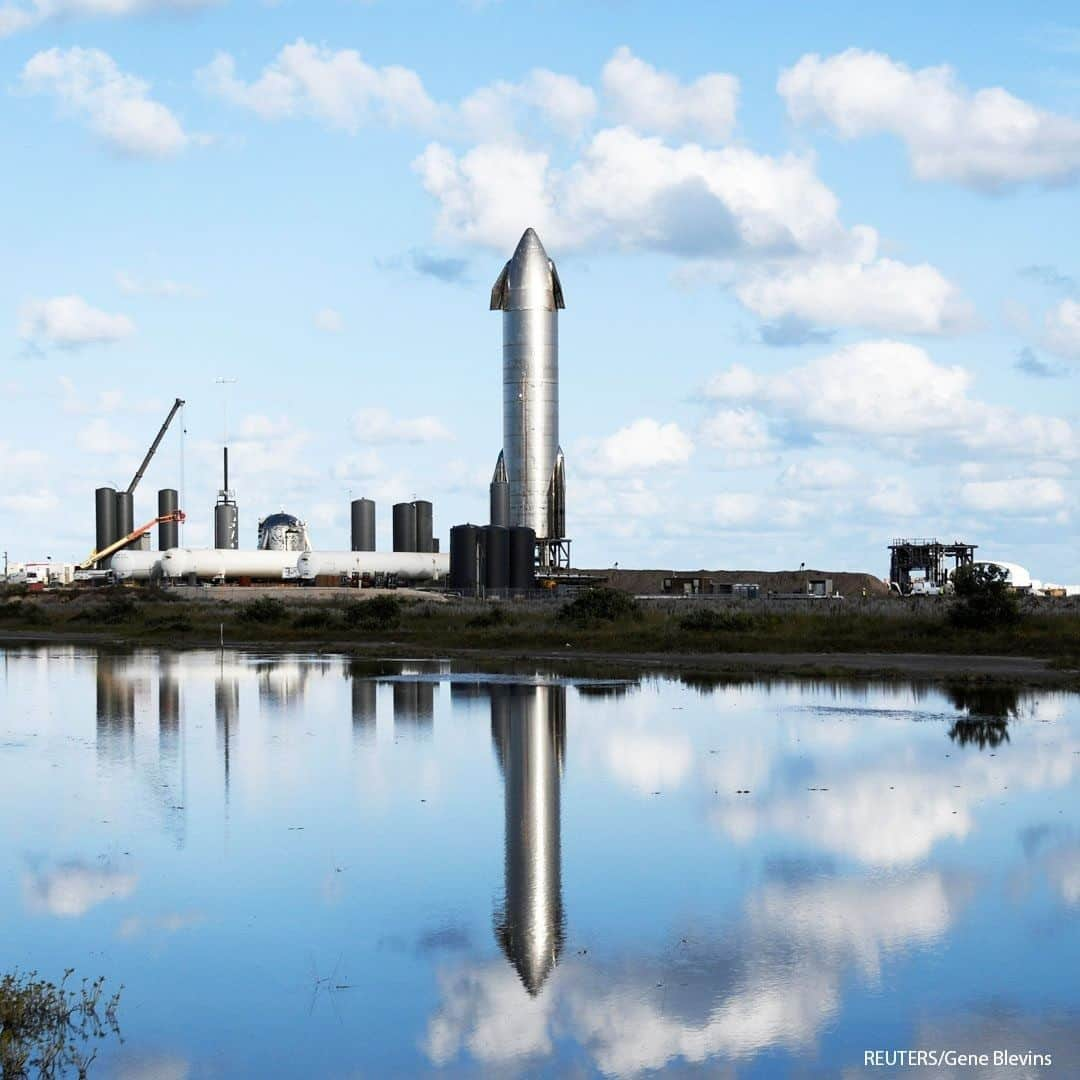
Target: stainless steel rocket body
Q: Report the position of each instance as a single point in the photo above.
(529, 294)
(529, 723)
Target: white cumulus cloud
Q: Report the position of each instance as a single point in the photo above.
(377, 426)
(15, 17)
(1030, 495)
(630, 190)
(876, 293)
(1062, 330)
(984, 138)
(886, 390)
(819, 474)
(69, 321)
(656, 102)
(30, 502)
(643, 444)
(70, 890)
(117, 106)
(337, 87)
(99, 437)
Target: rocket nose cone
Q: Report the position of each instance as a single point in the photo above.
(528, 244)
(530, 266)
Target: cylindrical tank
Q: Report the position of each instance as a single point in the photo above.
(363, 525)
(522, 557)
(125, 513)
(227, 527)
(132, 565)
(168, 533)
(105, 518)
(497, 560)
(464, 567)
(206, 565)
(404, 565)
(424, 513)
(142, 544)
(500, 502)
(404, 527)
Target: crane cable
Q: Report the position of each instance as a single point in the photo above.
(183, 432)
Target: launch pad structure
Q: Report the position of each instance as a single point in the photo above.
(930, 557)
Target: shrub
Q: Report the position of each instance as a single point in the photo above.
(600, 603)
(47, 1030)
(490, 617)
(178, 624)
(984, 600)
(264, 609)
(25, 612)
(712, 621)
(378, 613)
(119, 607)
(314, 619)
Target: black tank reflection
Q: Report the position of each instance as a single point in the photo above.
(528, 729)
(115, 709)
(414, 709)
(364, 691)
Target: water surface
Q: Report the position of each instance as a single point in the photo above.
(301, 866)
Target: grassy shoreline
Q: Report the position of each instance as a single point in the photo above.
(1042, 649)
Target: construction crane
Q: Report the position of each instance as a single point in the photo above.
(178, 404)
(96, 556)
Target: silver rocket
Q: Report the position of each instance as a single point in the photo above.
(529, 294)
(528, 728)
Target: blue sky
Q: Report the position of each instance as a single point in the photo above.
(820, 267)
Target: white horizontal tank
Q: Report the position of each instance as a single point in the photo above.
(227, 564)
(405, 565)
(131, 565)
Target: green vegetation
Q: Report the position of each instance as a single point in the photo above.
(49, 1030)
(984, 600)
(378, 613)
(600, 604)
(712, 620)
(600, 621)
(265, 609)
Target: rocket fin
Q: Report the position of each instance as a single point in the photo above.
(557, 498)
(556, 289)
(498, 290)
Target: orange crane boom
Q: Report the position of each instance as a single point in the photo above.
(96, 556)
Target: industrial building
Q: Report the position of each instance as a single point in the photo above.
(920, 565)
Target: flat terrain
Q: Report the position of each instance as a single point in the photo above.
(876, 639)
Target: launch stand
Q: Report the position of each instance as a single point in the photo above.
(553, 553)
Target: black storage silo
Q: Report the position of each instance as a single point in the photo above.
(497, 561)
(424, 514)
(363, 525)
(168, 532)
(226, 526)
(464, 570)
(105, 517)
(404, 527)
(522, 557)
(125, 513)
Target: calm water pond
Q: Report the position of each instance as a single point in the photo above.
(302, 866)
